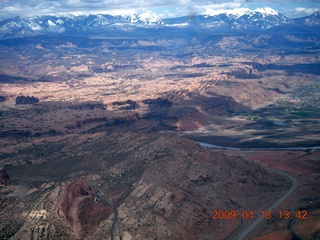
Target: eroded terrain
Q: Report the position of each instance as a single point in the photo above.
(108, 143)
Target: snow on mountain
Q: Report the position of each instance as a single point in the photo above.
(238, 12)
(57, 23)
(266, 14)
(147, 18)
(73, 15)
(239, 19)
(73, 23)
(266, 11)
(235, 13)
(51, 23)
(263, 18)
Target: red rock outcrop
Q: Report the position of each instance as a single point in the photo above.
(80, 209)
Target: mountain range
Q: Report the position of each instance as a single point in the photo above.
(241, 19)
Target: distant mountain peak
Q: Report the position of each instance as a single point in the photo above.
(237, 12)
(71, 15)
(147, 17)
(265, 17)
(312, 20)
(239, 19)
(266, 11)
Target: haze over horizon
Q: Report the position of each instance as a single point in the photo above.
(164, 9)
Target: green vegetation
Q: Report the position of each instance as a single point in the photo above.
(254, 117)
(302, 113)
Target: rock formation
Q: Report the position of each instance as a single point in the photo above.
(4, 178)
(26, 100)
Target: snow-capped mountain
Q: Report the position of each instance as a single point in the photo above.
(232, 13)
(263, 17)
(71, 23)
(266, 14)
(240, 19)
(146, 18)
(24, 26)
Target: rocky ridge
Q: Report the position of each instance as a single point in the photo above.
(161, 185)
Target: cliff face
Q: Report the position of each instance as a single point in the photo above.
(62, 119)
(78, 196)
(79, 208)
(26, 100)
(81, 212)
(65, 211)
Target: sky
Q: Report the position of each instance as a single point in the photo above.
(163, 8)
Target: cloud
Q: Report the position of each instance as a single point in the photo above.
(170, 8)
(216, 8)
(308, 11)
(9, 8)
(300, 11)
(13, 8)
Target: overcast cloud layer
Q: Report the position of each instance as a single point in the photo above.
(164, 8)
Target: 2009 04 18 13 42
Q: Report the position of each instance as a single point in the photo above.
(266, 214)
